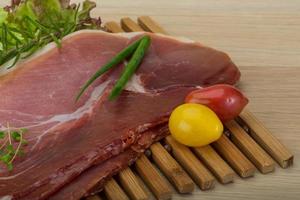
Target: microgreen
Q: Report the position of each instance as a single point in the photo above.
(11, 144)
(2, 134)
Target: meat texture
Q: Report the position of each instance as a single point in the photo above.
(93, 179)
(66, 138)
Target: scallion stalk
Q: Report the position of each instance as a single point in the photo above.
(115, 61)
(131, 67)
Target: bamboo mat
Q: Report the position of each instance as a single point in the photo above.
(245, 148)
(262, 38)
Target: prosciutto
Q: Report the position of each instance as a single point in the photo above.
(66, 138)
(92, 180)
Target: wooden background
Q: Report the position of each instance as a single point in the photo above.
(263, 39)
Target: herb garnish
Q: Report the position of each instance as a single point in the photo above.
(11, 143)
(131, 67)
(28, 25)
(137, 50)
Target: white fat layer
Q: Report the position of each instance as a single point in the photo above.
(135, 84)
(8, 197)
(52, 45)
(80, 112)
(63, 118)
(86, 108)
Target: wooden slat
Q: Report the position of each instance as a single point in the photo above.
(215, 163)
(170, 167)
(113, 27)
(234, 157)
(192, 165)
(131, 185)
(129, 25)
(264, 137)
(94, 197)
(242, 124)
(157, 184)
(148, 24)
(250, 148)
(113, 191)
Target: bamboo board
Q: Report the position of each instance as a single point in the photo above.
(245, 148)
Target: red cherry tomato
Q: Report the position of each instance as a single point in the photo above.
(225, 100)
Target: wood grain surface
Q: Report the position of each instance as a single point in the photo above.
(262, 37)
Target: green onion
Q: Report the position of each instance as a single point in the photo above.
(113, 62)
(131, 67)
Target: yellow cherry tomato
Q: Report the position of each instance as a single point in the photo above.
(195, 125)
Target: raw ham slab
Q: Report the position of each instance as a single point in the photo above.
(93, 179)
(66, 138)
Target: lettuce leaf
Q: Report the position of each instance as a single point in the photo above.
(3, 15)
(28, 25)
